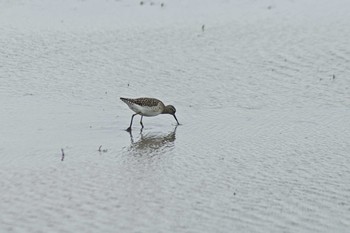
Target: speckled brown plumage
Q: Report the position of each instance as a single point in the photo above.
(150, 102)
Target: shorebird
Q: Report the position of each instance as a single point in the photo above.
(148, 107)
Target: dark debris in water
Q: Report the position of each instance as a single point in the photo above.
(62, 157)
(104, 150)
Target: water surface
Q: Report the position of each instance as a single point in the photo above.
(262, 95)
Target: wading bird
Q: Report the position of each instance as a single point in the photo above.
(148, 107)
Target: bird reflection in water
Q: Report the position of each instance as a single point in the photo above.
(152, 143)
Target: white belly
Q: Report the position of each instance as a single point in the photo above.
(146, 111)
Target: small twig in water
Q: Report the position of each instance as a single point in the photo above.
(62, 158)
(104, 150)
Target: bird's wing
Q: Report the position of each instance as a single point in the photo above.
(142, 101)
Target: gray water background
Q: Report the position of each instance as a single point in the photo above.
(262, 95)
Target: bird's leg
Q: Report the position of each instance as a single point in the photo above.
(132, 117)
(131, 137)
(141, 123)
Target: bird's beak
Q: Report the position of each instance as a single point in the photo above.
(176, 119)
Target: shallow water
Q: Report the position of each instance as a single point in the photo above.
(262, 95)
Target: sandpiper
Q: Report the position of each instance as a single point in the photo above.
(148, 107)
